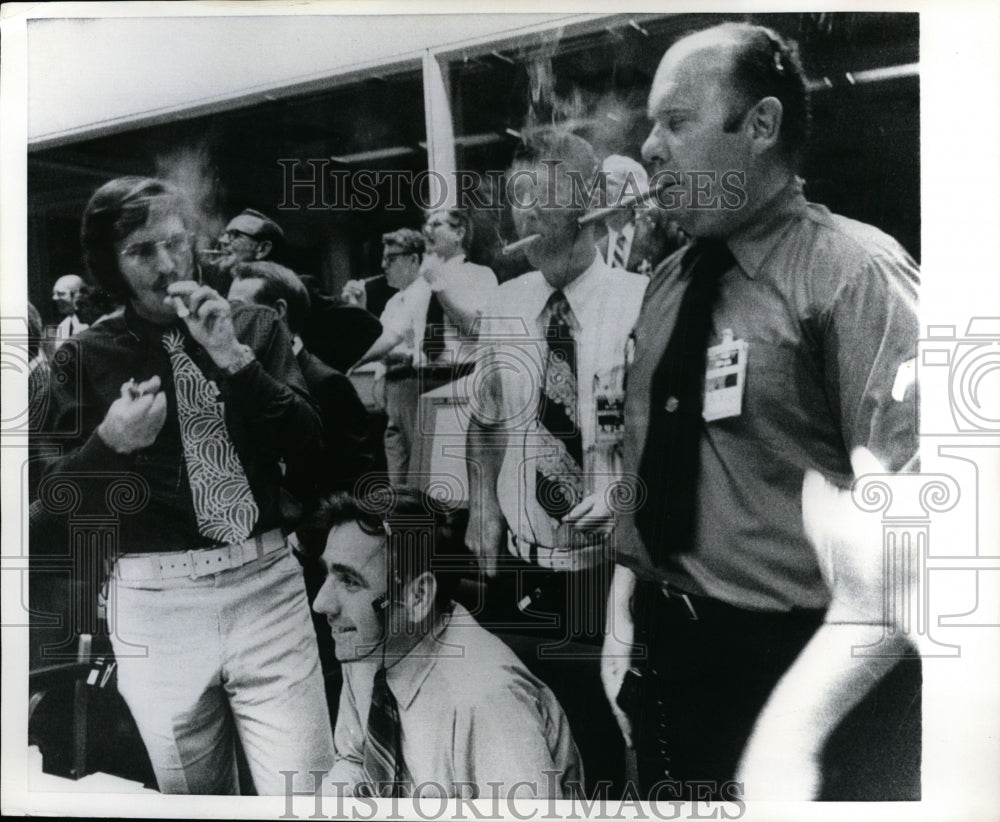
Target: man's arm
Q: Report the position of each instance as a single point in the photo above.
(869, 342)
(619, 644)
(463, 295)
(486, 534)
(827, 679)
(502, 735)
(269, 391)
(346, 424)
(348, 744)
(387, 341)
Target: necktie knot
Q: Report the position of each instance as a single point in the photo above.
(707, 258)
(559, 308)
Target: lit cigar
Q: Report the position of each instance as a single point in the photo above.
(599, 214)
(524, 242)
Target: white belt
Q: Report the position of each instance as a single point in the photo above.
(199, 562)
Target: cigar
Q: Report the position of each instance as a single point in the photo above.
(524, 242)
(212, 252)
(599, 214)
(180, 307)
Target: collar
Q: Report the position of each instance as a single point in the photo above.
(406, 676)
(296, 344)
(143, 329)
(579, 291)
(751, 244)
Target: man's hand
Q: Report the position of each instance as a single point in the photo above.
(208, 317)
(486, 537)
(591, 515)
(354, 293)
(431, 269)
(134, 420)
(848, 543)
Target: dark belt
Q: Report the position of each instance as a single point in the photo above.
(679, 604)
(441, 373)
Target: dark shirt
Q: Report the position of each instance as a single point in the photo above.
(347, 454)
(827, 307)
(267, 410)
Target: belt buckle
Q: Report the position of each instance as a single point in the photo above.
(193, 572)
(692, 613)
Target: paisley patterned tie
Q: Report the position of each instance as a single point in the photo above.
(558, 479)
(223, 502)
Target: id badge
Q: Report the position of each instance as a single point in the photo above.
(609, 407)
(725, 378)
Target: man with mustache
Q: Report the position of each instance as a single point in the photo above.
(197, 404)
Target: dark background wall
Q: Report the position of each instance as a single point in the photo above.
(864, 160)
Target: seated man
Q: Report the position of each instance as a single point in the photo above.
(431, 702)
(346, 455)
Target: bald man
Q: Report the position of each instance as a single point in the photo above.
(64, 294)
(637, 239)
(777, 347)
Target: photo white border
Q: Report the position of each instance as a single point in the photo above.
(960, 174)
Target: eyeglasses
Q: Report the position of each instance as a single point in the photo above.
(147, 250)
(391, 255)
(231, 234)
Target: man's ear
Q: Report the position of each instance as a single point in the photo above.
(764, 123)
(263, 249)
(281, 306)
(418, 597)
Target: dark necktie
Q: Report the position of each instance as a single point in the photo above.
(433, 343)
(223, 502)
(670, 461)
(618, 256)
(383, 767)
(559, 477)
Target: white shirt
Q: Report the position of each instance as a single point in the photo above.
(605, 304)
(469, 712)
(67, 328)
(405, 314)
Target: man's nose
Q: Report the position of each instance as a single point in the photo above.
(165, 261)
(327, 601)
(653, 150)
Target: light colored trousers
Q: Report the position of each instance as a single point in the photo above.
(401, 400)
(234, 652)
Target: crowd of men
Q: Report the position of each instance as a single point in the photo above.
(643, 593)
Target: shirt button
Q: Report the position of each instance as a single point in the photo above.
(672, 403)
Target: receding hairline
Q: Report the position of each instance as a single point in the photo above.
(721, 41)
(76, 279)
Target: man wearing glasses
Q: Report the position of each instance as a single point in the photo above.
(194, 404)
(249, 236)
(417, 343)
